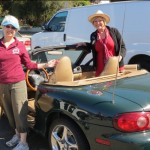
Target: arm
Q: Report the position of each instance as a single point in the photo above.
(120, 47)
(121, 44)
(50, 64)
(25, 59)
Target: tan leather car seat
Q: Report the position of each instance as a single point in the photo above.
(111, 66)
(131, 67)
(63, 71)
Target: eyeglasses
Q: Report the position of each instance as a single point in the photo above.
(96, 21)
(10, 27)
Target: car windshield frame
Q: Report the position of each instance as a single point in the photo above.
(77, 55)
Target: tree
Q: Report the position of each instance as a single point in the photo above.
(36, 12)
(41, 11)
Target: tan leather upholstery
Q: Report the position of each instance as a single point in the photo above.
(63, 71)
(31, 105)
(131, 67)
(111, 66)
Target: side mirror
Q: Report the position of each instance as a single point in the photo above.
(44, 26)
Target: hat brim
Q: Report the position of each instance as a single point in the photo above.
(10, 23)
(106, 17)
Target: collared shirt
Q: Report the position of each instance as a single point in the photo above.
(11, 60)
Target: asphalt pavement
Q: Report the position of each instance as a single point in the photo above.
(35, 141)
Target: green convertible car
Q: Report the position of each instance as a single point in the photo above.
(77, 111)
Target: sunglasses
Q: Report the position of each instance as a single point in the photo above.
(10, 27)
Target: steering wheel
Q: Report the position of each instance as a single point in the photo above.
(36, 78)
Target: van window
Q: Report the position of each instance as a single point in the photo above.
(57, 24)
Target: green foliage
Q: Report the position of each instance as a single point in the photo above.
(36, 12)
(1, 9)
(80, 3)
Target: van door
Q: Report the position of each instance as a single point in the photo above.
(79, 29)
(57, 27)
(137, 34)
(54, 33)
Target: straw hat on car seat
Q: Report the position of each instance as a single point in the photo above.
(99, 13)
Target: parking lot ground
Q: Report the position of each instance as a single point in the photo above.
(35, 141)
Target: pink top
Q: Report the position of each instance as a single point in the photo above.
(103, 52)
(11, 60)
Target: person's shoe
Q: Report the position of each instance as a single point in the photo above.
(21, 146)
(14, 141)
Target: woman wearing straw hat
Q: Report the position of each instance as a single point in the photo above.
(105, 42)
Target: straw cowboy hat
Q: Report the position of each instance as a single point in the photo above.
(99, 13)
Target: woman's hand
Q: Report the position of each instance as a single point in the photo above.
(52, 63)
(120, 58)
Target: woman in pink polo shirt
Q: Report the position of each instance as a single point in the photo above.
(12, 81)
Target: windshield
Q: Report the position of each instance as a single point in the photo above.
(57, 24)
(43, 57)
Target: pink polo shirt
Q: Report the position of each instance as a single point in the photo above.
(11, 60)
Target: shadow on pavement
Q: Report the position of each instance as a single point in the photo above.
(35, 141)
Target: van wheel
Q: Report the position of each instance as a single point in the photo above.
(65, 135)
(142, 61)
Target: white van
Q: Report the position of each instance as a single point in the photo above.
(130, 17)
